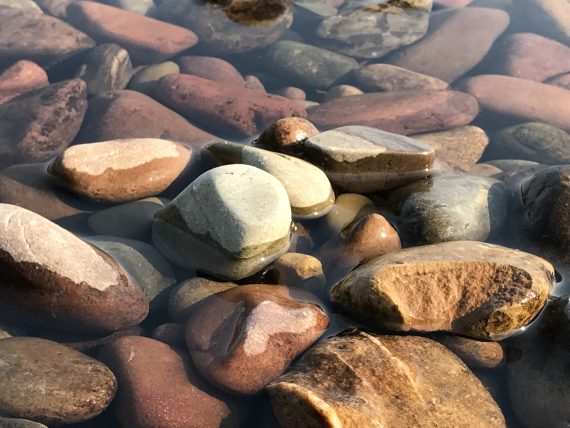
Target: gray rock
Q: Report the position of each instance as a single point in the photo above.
(145, 80)
(19, 423)
(387, 78)
(138, 6)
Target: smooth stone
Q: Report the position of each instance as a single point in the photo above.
(131, 220)
(40, 124)
(145, 80)
(347, 208)
(21, 77)
(521, 100)
(108, 67)
(219, 33)
(211, 68)
(55, 8)
(50, 383)
(253, 82)
(121, 170)
(484, 170)
(172, 334)
(362, 159)
(287, 135)
(292, 92)
(369, 380)
(45, 39)
(19, 423)
(389, 78)
(243, 338)
(230, 222)
(470, 288)
(532, 141)
(300, 271)
(365, 30)
(310, 193)
(462, 146)
(142, 7)
(227, 109)
(128, 114)
(152, 272)
(307, 65)
(406, 112)
(88, 343)
(548, 17)
(161, 388)
(451, 208)
(54, 279)
(476, 354)
(454, 44)
(562, 81)
(134, 32)
(340, 91)
(189, 292)
(28, 5)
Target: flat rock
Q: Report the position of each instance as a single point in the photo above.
(41, 123)
(146, 78)
(362, 159)
(307, 65)
(454, 44)
(230, 222)
(369, 380)
(548, 17)
(477, 354)
(52, 278)
(51, 383)
(228, 109)
(45, 39)
(465, 287)
(309, 190)
(107, 67)
(389, 78)
(21, 77)
(146, 39)
(406, 113)
(211, 68)
(243, 338)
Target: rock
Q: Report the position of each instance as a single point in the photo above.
(245, 337)
(506, 5)
(362, 159)
(121, 170)
(127, 114)
(53, 279)
(19, 423)
(307, 65)
(562, 81)
(21, 77)
(371, 30)
(292, 92)
(220, 34)
(462, 146)
(41, 123)
(547, 17)
(522, 100)
(211, 68)
(172, 334)
(389, 78)
(452, 4)
(229, 109)
(476, 354)
(51, 383)
(348, 207)
(454, 44)
(108, 67)
(230, 222)
(27, 5)
(10, 330)
(253, 82)
(529, 56)
(160, 387)
(531, 141)
(45, 39)
(300, 271)
(484, 170)
(55, 8)
(406, 113)
(451, 208)
(309, 190)
(145, 80)
(190, 292)
(340, 91)
(138, 6)
(470, 288)
(132, 31)
(132, 220)
(287, 135)
(369, 380)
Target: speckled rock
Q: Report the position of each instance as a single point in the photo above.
(145, 80)
(107, 67)
(245, 337)
(368, 380)
(465, 287)
(287, 135)
(211, 68)
(21, 77)
(389, 78)
(477, 354)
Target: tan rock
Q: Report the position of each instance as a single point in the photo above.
(340, 91)
(299, 270)
(476, 354)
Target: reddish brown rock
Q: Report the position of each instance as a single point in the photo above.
(160, 388)
(562, 81)
(171, 333)
(286, 135)
(21, 77)
(42, 123)
(477, 354)
(520, 99)
(146, 39)
(405, 113)
(211, 68)
(243, 338)
(129, 114)
(236, 111)
(89, 343)
(455, 43)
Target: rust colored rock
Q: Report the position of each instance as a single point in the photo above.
(128, 114)
(405, 113)
(245, 337)
(211, 68)
(476, 354)
(42, 123)
(562, 81)
(232, 110)
(287, 135)
(21, 77)
(146, 39)
(161, 388)
(173, 334)
(365, 380)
